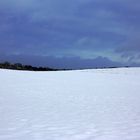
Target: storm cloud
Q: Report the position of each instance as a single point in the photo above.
(84, 29)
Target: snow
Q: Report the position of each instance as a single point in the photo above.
(102, 104)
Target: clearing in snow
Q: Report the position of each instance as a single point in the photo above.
(70, 105)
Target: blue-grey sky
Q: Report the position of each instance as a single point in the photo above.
(70, 33)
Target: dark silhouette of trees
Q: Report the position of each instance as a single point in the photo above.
(19, 66)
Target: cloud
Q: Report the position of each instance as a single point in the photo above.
(60, 62)
(130, 50)
(58, 28)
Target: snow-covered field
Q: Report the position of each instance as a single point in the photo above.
(70, 105)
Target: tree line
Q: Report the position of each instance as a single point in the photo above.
(19, 66)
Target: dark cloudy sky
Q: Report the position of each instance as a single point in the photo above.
(70, 33)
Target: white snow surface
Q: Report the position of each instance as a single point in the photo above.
(102, 104)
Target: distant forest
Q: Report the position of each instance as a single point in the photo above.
(19, 66)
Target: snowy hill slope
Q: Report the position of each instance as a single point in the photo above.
(70, 105)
